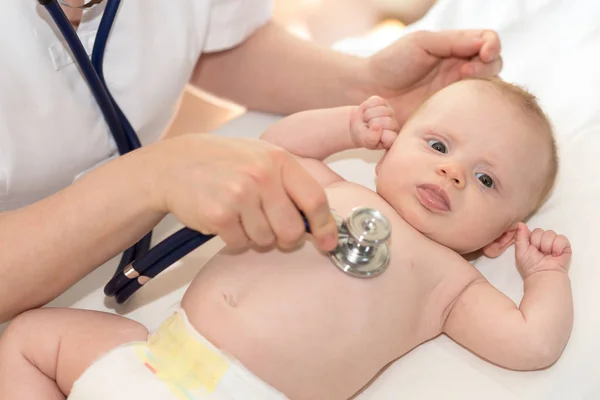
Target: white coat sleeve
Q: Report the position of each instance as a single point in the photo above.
(232, 21)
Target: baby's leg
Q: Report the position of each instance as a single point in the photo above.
(43, 352)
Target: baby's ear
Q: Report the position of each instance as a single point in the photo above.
(498, 246)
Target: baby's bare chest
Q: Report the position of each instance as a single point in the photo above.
(423, 278)
(402, 307)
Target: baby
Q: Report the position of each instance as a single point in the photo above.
(466, 169)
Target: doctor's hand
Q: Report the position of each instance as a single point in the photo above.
(410, 70)
(243, 190)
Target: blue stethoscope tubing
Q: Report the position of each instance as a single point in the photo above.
(138, 263)
(139, 257)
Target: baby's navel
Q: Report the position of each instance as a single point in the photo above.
(229, 299)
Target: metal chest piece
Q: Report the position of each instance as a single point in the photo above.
(362, 249)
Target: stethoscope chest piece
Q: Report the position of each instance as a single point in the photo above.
(362, 249)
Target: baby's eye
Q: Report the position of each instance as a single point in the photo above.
(485, 179)
(438, 146)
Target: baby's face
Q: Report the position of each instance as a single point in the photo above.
(466, 168)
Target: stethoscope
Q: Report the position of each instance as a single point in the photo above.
(362, 250)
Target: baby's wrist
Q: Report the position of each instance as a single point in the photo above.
(543, 271)
(353, 130)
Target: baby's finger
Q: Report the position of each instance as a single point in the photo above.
(536, 237)
(547, 242)
(387, 138)
(377, 112)
(522, 239)
(374, 101)
(386, 123)
(561, 243)
(356, 116)
(373, 136)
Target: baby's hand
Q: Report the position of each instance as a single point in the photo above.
(541, 251)
(373, 124)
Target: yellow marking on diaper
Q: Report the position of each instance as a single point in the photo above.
(181, 361)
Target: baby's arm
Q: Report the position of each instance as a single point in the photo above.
(533, 335)
(316, 134)
(43, 352)
(320, 133)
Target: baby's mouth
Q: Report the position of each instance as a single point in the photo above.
(434, 198)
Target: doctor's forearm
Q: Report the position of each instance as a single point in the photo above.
(275, 72)
(50, 245)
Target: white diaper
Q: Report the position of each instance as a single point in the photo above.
(176, 363)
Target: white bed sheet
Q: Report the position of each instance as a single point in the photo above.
(553, 48)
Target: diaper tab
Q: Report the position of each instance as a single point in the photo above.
(189, 367)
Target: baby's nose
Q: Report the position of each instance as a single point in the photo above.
(454, 173)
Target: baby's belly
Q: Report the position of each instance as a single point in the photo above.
(304, 326)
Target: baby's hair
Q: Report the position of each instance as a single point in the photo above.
(528, 104)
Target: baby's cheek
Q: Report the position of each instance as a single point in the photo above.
(473, 225)
(401, 158)
(393, 173)
(487, 227)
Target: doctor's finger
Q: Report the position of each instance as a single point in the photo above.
(455, 43)
(256, 225)
(309, 196)
(281, 213)
(285, 219)
(477, 68)
(230, 197)
(224, 221)
(234, 235)
(491, 48)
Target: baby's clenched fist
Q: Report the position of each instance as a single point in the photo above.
(373, 124)
(541, 250)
